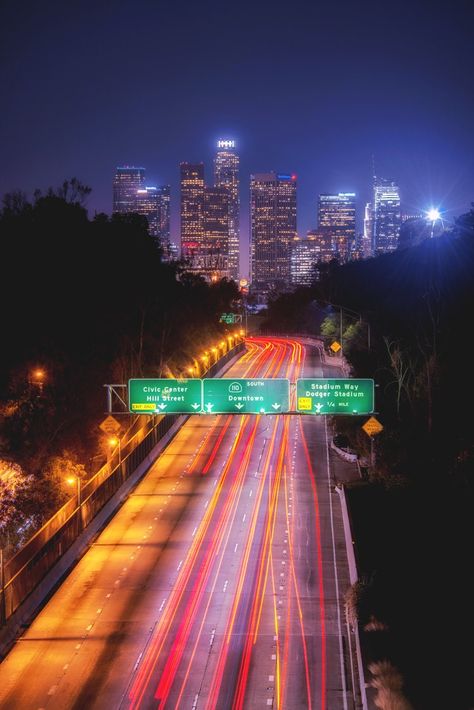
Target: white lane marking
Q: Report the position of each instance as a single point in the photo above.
(150, 527)
(243, 519)
(107, 596)
(269, 701)
(275, 638)
(250, 494)
(336, 577)
(196, 698)
(179, 566)
(99, 611)
(194, 531)
(162, 605)
(88, 628)
(225, 585)
(132, 557)
(236, 546)
(273, 656)
(66, 667)
(78, 646)
(52, 690)
(281, 587)
(271, 678)
(137, 661)
(124, 569)
(117, 581)
(206, 503)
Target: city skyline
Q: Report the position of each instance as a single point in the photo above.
(174, 98)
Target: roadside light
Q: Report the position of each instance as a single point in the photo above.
(37, 377)
(115, 441)
(190, 370)
(242, 333)
(433, 214)
(75, 480)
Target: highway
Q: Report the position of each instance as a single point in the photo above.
(218, 584)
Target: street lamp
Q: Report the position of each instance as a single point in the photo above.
(433, 215)
(115, 441)
(76, 480)
(37, 378)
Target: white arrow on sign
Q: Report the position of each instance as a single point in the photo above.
(195, 405)
(239, 406)
(161, 406)
(209, 407)
(276, 406)
(318, 407)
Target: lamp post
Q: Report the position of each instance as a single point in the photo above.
(115, 441)
(37, 378)
(433, 215)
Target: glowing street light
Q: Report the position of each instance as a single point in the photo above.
(37, 377)
(433, 214)
(75, 480)
(115, 441)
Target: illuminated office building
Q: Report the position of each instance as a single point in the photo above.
(337, 217)
(386, 216)
(146, 204)
(214, 257)
(305, 254)
(273, 227)
(192, 202)
(367, 239)
(226, 174)
(204, 224)
(127, 181)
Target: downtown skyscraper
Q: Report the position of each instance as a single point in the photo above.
(273, 227)
(386, 216)
(337, 218)
(132, 195)
(204, 224)
(127, 181)
(226, 175)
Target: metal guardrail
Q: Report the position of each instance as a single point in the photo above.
(25, 570)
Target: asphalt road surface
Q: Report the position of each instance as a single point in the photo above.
(218, 584)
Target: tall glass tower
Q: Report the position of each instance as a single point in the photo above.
(192, 209)
(127, 181)
(386, 216)
(226, 175)
(337, 217)
(273, 228)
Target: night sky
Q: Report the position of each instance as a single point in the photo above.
(313, 88)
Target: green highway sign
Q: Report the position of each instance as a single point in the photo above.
(256, 396)
(165, 396)
(335, 396)
(230, 318)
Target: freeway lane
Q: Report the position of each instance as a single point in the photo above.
(218, 584)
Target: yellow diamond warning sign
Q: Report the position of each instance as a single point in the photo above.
(372, 426)
(335, 346)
